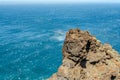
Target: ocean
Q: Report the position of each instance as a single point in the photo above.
(31, 36)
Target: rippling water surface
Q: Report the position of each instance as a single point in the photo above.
(31, 36)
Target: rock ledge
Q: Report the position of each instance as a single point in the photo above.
(85, 58)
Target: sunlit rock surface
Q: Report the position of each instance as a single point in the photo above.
(85, 58)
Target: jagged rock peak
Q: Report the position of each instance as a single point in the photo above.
(85, 58)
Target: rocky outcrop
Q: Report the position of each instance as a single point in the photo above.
(85, 58)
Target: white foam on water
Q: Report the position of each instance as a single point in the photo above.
(48, 46)
(59, 35)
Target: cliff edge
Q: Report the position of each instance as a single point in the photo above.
(85, 58)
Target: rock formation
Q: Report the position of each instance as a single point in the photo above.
(85, 58)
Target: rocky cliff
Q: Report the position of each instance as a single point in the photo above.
(85, 58)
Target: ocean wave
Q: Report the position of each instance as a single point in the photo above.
(59, 35)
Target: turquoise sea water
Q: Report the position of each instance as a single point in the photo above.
(31, 36)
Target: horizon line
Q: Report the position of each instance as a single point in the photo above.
(52, 3)
(59, 2)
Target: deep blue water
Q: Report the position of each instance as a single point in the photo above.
(31, 36)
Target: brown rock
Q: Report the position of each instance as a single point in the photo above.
(85, 58)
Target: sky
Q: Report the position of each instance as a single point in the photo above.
(56, 1)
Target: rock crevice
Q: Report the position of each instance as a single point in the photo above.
(85, 58)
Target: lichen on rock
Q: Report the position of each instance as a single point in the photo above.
(85, 58)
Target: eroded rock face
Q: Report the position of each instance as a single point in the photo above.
(85, 58)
